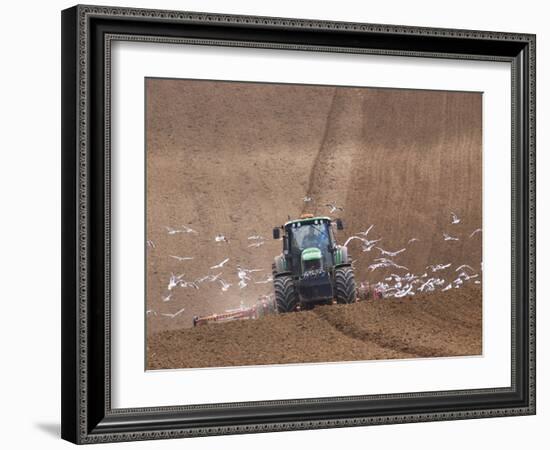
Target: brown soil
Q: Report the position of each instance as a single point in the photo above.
(429, 325)
(238, 158)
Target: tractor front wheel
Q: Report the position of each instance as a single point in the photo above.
(344, 284)
(285, 294)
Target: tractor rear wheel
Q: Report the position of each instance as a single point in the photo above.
(285, 294)
(344, 284)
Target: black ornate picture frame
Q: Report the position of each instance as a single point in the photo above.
(87, 34)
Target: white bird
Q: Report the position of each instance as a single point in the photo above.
(214, 277)
(411, 240)
(150, 243)
(333, 207)
(383, 263)
(181, 258)
(454, 218)
(406, 290)
(243, 275)
(256, 237)
(150, 311)
(464, 266)
(463, 275)
(167, 298)
(446, 237)
(183, 229)
(256, 244)
(220, 238)
(365, 233)
(177, 313)
(392, 254)
(225, 286)
(408, 277)
(351, 238)
(220, 265)
(430, 284)
(177, 280)
(449, 286)
(477, 230)
(242, 272)
(174, 281)
(202, 279)
(368, 245)
(269, 279)
(437, 267)
(185, 284)
(307, 199)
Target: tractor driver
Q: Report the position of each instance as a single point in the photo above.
(314, 238)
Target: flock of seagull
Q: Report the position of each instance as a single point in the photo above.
(180, 281)
(399, 286)
(393, 285)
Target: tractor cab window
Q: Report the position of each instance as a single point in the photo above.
(310, 235)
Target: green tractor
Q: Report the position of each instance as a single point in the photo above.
(313, 269)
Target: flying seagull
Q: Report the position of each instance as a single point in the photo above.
(365, 233)
(256, 244)
(464, 266)
(307, 199)
(383, 263)
(437, 267)
(446, 237)
(413, 240)
(221, 238)
(388, 253)
(367, 245)
(333, 207)
(256, 237)
(214, 277)
(177, 313)
(352, 238)
(243, 275)
(430, 284)
(203, 279)
(477, 230)
(269, 279)
(225, 286)
(404, 291)
(454, 218)
(150, 243)
(183, 229)
(177, 280)
(220, 265)
(167, 298)
(181, 258)
(174, 281)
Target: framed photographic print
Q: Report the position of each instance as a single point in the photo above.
(281, 224)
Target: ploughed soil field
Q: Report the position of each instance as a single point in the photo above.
(228, 161)
(428, 325)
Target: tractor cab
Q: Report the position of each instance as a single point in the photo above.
(308, 243)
